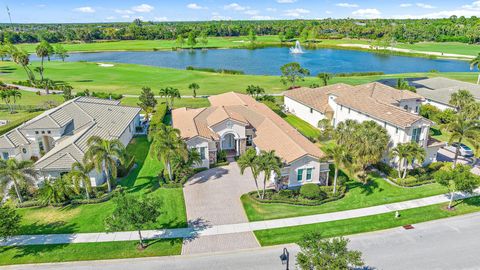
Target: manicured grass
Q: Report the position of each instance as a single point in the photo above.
(129, 78)
(445, 47)
(87, 251)
(303, 127)
(376, 192)
(366, 224)
(90, 218)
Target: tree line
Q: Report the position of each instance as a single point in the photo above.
(455, 28)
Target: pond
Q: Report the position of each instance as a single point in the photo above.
(267, 61)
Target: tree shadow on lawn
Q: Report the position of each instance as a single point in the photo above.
(31, 250)
(57, 227)
(366, 189)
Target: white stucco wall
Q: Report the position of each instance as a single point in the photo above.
(197, 143)
(439, 105)
(304, 163)
(304, 112)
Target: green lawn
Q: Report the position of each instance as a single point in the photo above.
(376, 192)
(303, 127)
(87, 251)
(90, 218)
(366, 224)
(129, 78)
(445, 47)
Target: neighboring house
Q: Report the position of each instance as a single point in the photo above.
(395, 110)
(235, 122)
(58, 137)
(438, 91)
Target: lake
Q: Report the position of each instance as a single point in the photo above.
(267, 61)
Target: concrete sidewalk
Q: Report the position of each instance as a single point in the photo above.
(192, 233)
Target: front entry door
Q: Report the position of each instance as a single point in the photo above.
(228, 142)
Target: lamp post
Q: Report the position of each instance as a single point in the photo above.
(285, 258)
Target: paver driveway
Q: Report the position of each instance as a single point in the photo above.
(212, 197)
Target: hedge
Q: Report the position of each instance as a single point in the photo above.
(341, 190)
(158, 116)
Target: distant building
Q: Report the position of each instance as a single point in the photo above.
(236, 122)
(58, 137)
(395, 110)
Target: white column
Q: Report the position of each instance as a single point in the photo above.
(237, 148)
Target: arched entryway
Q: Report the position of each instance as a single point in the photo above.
(229, 143)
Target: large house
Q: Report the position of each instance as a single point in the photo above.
(395, 110)
(236, 122)
(58, 137)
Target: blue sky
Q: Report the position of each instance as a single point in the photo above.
(24, 11)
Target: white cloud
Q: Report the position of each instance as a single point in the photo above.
(475, 6)
(235, 6)
(468, 10)
(221, 18)
(259, 17)
(143, 8)
(423, 5)
(85, 9)
(367, 13)
(110, 18)
(195, 6)
(126, 16)
(347, 5)
(251, 12)
(404, 5)
(124, 11)
(328, 12)
(160, 19)
(286, 1)
(296, 12)
(271, 9)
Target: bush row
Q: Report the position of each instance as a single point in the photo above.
(223, 71)
(35, 203)
(370, 73)
(416, 177)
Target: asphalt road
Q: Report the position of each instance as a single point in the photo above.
(443, 244)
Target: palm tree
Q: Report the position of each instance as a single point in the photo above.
(17, 172)
(194, 87)
(22, 57)
(249, 159)
(462, 129)
(15, 94)
(165, 93)
(193, 158)
(79, 176)
(268, 162)
(55, 191)
(416, 154)
(476, 62)
(174, 93)
(104, 154)
(401, 152)
(43, 50)
(340, 157)
(325, 77)
(461, 99)
(167, 144)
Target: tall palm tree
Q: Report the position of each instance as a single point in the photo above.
(194, 87)
(401, 152)
(371, 143)
(268, 163)
(174, 93)
(341, 157)
(22, 57)
(416, 154)
(15, 95)
(476, 62)
(344, 131)
(79, 176)
(165, 93)
(104, 154)
(462, 129)
(43, 50)
(249, 159)
(193, 158)
(461, 99)
(17, 172)
(167, 144)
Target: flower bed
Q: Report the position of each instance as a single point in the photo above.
(416, 177)
(289, 196)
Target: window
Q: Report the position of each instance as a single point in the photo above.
(249, 140)
(348, 110)
(49, 132)
(396, 130)
(5, 155)
(311, 110)
(24, 150)
(416, 109)
(40, 146)
(405, 107)
(416, 132)
(309, 174)
(36, 132)
(202, 153)
(43, 132)
(299, 175)
(341, 107)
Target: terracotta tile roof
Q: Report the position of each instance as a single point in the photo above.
(271, 131)
(316, 98)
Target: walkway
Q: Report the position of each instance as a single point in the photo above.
(212, 198)
(215, 230)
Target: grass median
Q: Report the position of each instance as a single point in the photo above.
(368, 223)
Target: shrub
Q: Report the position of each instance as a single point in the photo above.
(312, 192)
(158, 116)
(286, 193)
(222, 156)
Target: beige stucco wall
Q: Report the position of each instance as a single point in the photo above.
(304, 163)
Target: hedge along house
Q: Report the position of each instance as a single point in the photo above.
(395, 110)
(58, 137)
(236, 122)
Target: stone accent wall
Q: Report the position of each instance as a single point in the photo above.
(243, 146)
(212, 157)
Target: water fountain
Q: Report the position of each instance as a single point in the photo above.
(297, 49)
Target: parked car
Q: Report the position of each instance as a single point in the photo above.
(464, 150)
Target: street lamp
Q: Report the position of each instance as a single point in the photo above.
(285, 258)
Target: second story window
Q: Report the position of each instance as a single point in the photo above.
(249, 140)
(405, 107)
(416, 132)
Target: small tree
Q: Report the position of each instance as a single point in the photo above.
(61, 52)
(133, 213)
(269, 164)
(326, 129)
(252, 36)
(255, 91)
(191, 40)
(67, 91)
(180, 41)
(326, 254)
(54, 191)
(458, 179)
(325, 77)
(249, 160)
(341, 157)
(147, 98)
(204, 39)
(293, 72)
(194, 87)
(9, 222)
